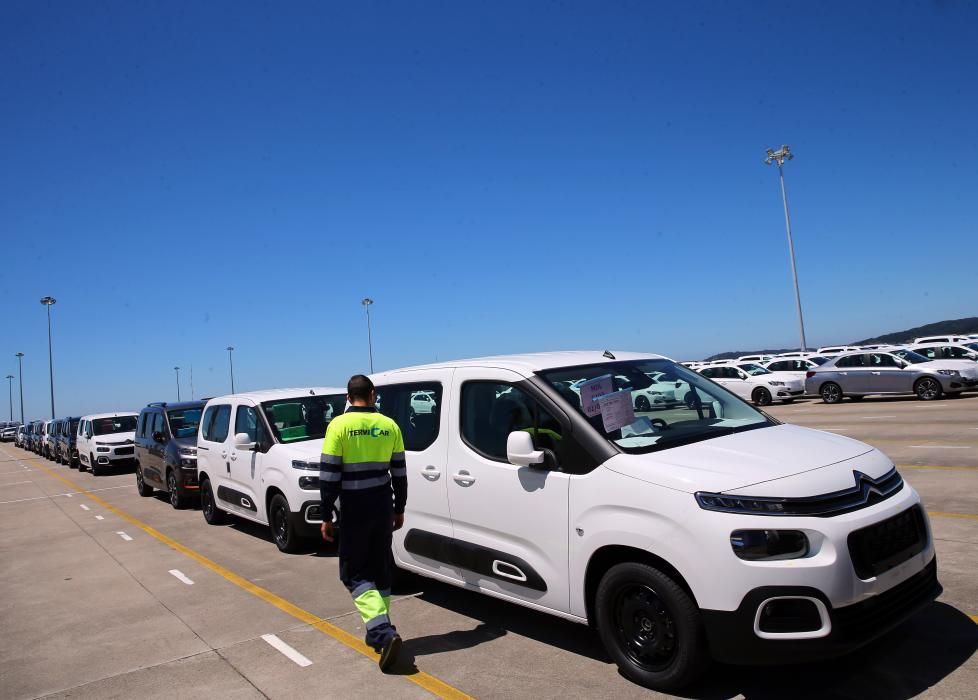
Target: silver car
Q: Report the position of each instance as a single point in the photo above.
(891, 372)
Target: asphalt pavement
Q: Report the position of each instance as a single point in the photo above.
(106, 594)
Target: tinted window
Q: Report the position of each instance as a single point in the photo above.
(141, 430)
(184, 421)
(929, 353)
(217, 421)
(782, 366)
(159, 425)
(490, 412)
(882, 360)
(852, 361)
(416, 408)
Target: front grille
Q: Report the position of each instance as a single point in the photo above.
(865, 619)
(124, 450)
(880, 547)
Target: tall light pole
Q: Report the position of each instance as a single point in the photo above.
(780, 156)
(10, 393)
(367, 302)
(49, 302)
(20, 362)
(231, 366)
(177, 370)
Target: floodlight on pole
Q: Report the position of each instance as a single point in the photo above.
(780, 156)
(367, 303)
(49, 302)
(20, 363)
(10, 395)
(230, 349)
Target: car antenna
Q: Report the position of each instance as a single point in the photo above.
(312, 393)
(607, 353)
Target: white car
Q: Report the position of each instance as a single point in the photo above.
(797, 366)
(830, 350)
(754, 358)
(946, 351)
(423, 402)
(258, 459)
(941, 339)
(707, 531)
(106, 440)
(754, 383)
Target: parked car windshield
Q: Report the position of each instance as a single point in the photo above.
(703, 409)
(911, 356)
(184, 421)
(754, 370)
(303, 417)
(116, 424)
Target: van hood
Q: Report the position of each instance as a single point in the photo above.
(307, 450)
(115, 438)
(746, 459)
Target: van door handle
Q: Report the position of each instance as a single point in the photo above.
(431, 472)
(463, 478)
(876, 373)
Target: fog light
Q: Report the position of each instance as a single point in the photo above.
(309, 482)
(786, 615)
(770, 545)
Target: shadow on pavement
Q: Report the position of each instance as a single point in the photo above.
(903, 664)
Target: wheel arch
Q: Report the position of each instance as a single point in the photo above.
(609, 555)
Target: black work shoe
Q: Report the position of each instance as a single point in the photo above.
(389, 654)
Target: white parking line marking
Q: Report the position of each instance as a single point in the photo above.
(941, 447)
(41, 498)
(875, 417)
(14, 483)
(180, 576)
(286, 650)
(99, 517)
(124, 536)
(84, 507)
(68, 495)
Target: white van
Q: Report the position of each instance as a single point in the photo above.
(705, 531)
(106, 440)
(258, 458)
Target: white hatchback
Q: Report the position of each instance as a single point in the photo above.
(754, 383)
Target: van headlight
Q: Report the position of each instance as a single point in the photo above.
(307, 466)
(740, 504)
(187, 452)
(769, 545)
(103, 449)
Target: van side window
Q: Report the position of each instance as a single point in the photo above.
(217, 421)
(491, 411)
(416, 408)
(246, 421)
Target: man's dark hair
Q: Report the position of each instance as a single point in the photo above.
(359, 387)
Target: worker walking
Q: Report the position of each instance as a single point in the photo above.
(363, 465)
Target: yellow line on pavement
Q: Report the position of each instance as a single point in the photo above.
(430, 683)
(939, 514)
(974, 618)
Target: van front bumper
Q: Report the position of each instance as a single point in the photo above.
(733, 638)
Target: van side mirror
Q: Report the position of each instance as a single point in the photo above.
(243, 442)
(519, 450)
(158, 436)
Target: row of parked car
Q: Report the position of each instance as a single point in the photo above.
(705, 528)
(930, 367)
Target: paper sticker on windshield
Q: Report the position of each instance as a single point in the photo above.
(616, 410)
(591, 390)
(641, 426)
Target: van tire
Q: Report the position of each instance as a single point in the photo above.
(279, 522)
(650, 626)
(208, 505)
(177, 499)
(93, 465)
(142, 488)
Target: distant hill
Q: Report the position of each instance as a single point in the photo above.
(960, 326)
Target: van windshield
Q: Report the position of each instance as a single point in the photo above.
(698, 409)
(304, 417)
(184, 421)
(116, 424)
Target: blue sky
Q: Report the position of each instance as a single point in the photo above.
(499, 177)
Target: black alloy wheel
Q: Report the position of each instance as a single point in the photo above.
(642, 404)
(650, 626)
(284, 534)
(208, 506)
(762, 397)
(831, 392)
(177, 499)
(928, 389)
(142, 487)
